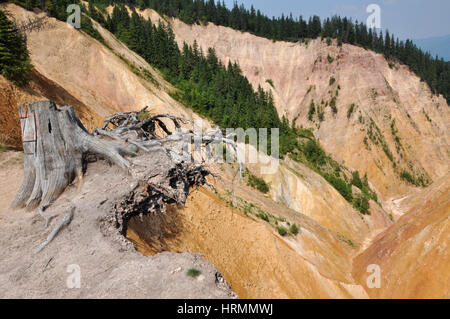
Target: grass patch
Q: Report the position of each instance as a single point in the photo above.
(313, 156)
(278, 223)
(193, 272)
(256, 182)
(411, 179)
(144, 115)
(139, 71)
(263, 216)
(346, 240)
(398, 144)
(377, 137)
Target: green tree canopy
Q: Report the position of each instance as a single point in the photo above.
(14, 60)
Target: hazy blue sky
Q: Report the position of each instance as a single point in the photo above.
(412, 19)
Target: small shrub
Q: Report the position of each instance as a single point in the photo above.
(312, 110)
(350, 110)
(270, 82)
(406, 176)
(321, 116)
(361, 203)
(366, 142)
(426, 116)
(143, 115)
(356, 180)
(328, 41)
(332, 80)
(282, 230)
(294, 229)
(263, 216)
(333, 105)
(350, 243)
(193, 272)
(388, 152)
(330, 59)
(361, 119)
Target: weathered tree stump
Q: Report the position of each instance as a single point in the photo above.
(54, 143)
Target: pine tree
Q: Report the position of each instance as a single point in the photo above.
(151, 46)
(15, 64)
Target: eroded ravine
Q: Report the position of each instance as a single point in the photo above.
(255, 261)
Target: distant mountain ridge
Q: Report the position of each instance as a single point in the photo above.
(436, 46)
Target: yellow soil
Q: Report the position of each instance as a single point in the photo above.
(255, 261)
(413, 254)
(301, 72)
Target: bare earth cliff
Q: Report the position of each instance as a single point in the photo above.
(381, 95)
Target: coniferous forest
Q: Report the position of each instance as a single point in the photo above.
(433, 70)
(221, 92)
